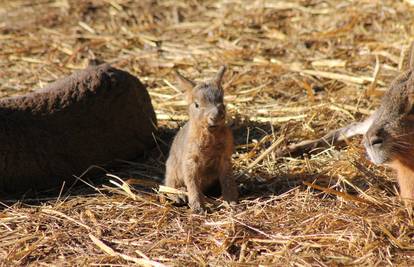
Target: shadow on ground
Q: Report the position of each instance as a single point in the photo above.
(147, 171)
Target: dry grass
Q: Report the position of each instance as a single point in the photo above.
(296, 70)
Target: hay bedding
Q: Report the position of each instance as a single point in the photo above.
(297, 69)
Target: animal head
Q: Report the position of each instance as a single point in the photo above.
(391, 135)
(205, 99)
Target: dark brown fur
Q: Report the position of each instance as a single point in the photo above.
(91, 117)
(200, 156)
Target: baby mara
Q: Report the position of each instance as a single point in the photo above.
(200, 155)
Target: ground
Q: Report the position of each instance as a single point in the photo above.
(296, 69)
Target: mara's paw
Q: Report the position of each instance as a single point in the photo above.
(232, 203)
(232, 197)
(197, 207)
(179, 200)
(408, 203)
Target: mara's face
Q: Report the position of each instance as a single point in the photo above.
(391, 135)
(206, 105)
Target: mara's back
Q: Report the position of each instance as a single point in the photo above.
(91, 117)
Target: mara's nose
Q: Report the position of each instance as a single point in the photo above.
(221, 112)
(216, 115)
(375, 141)
(218, 112)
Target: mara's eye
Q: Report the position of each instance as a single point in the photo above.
(196, 104)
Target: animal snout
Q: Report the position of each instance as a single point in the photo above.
(215, 119)
(375, 141)
(216, 116)
(375, 147)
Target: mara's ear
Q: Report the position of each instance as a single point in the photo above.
(219, 76)
(411, 56)
(184, 82)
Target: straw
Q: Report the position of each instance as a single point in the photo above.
(296, 70)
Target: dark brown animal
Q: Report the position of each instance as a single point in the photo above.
(91, 117)
(200, 156)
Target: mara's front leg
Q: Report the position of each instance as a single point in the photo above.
(406, 184)
(173, 178)
(405, 177)
(228, 184)
(192, 181)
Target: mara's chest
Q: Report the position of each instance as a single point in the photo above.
(212, 146)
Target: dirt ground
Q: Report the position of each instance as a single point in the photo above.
(296, 69)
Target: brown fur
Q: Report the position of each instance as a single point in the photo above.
(91, 117)
(405, 177)
(200, 155)
(390, 138)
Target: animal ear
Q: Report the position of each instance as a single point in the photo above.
(219, 76)
(410, 105)
(184, 82)
(411, 56)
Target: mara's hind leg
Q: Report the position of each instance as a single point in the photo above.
(228, 184)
